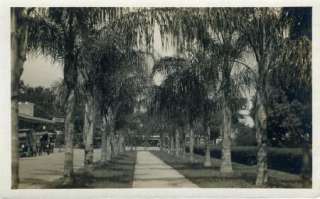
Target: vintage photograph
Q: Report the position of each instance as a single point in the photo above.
(161, 97)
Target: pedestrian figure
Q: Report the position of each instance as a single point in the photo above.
(33, 143)
(38, 146)
(44, 144)
(51, 144)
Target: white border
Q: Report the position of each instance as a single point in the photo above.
(6, 192)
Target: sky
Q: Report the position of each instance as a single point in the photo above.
(40, 71)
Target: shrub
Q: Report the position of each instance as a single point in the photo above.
(283, 159)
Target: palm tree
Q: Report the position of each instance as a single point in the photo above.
(264, 35)
(225, 47)
(19, 39)
(88, 88)
(181, 98)
(118, 75)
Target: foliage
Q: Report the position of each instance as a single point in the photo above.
(43, 99)
(300, 21)
(119, 75)
(283, 159)
(245, 135)
(290, 107)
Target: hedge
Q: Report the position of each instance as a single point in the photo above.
(282, 159)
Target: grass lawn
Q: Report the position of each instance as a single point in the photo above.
(118, 173)
(242, 177)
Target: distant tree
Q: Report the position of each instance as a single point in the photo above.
(291, 91)
(43, 99)
(289, 122)
(245, 136)
(181, 98)
(59, 91)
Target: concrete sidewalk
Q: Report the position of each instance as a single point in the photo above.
(37, 172)
(151, 172)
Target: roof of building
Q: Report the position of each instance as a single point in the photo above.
(34, 119)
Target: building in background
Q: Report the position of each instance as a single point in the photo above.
(32, 129)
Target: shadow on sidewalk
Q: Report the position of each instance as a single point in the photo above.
(242, 177)
(118, 173)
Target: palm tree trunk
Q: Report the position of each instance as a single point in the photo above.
(14, 144)
(15, 77)
(104, 145)
(191, 144)
(112, 144)
(161, 141)
(306, 171)
(183, 147)
(226, 164)
(70, 76)
(117, 144)
(261, 133)
(197, 140)
(121, 143)
(110, 135)
(19, 39)
(88, 130)
(125, 143)
(164, 142)
(134, 142)
(207, 162)
(177, 139)
(171, 144)
(168, 142)
(130, 142)
(68, 133)
(109, 147)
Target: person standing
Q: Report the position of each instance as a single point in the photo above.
(33, 143)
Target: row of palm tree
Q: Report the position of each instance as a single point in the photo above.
(73, 36)
(216, 65)
(104, 53)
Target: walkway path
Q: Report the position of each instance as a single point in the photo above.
(38, 171)
(150, 171)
